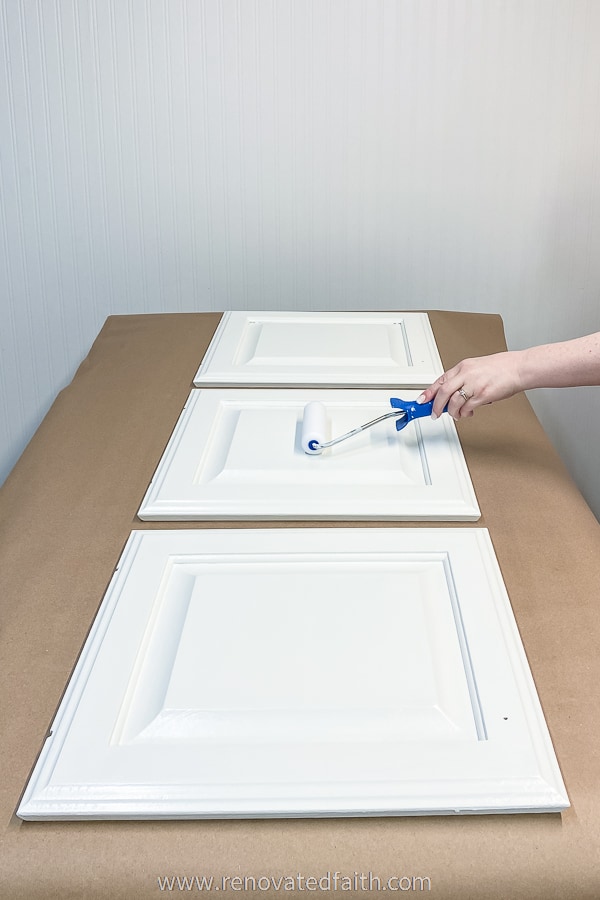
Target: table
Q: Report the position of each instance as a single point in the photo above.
(66, 511)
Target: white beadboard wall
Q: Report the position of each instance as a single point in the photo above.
(166, 155)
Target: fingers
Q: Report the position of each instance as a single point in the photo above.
(474, 382)
(460, 404)
(450, 391)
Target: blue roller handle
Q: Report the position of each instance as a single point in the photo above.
(412, 409)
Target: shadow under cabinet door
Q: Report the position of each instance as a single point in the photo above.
(299, 672)
(237, 454)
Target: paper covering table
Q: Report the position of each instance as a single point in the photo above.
(65, 513)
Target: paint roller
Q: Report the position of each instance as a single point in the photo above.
(314, 422)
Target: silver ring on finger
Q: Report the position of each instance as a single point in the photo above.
(464, 394)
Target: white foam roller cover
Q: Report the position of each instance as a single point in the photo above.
(314, 426)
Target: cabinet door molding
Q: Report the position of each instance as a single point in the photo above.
(299, 672)
(237, 454)
(321, 349)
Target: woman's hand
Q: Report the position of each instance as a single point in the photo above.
(475, 382)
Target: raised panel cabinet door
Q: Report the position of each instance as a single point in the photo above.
(237, 454)
(299, 672)
(321, 349)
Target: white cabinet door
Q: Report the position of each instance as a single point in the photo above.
(299, 672)
(326, 349)
(237, 454)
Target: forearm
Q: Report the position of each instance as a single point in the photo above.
(564, 364)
